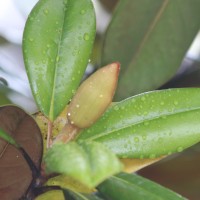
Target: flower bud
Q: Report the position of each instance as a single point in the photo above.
(93, 96)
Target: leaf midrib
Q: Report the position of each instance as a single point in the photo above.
(51, 110)
(138, 186)
(139, 122)
(148, 33)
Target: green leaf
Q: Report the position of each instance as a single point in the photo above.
(15, 172)
(57, 42)
(72, 195)
(3, 93)
(149, 125)
(8, 138)
(124, 186)
(3, 99)
(149, 39)
(89, 163)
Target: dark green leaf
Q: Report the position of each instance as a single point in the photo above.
(57, 42)
(89, 163)
(124, 186)
(3, 91)
(14, 170)
(3, 99)
(149, 39)
(149, 125)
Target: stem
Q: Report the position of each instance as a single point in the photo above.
(68, 133)
(31, 164)
(49, 134)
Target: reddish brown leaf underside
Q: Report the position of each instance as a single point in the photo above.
(15, 174)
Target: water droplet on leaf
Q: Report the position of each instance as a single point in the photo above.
(116, 108)
(162, 103)
(46, 11)
(136, 139)
(175, 103)
(57, 58)
(82, 12)
(179, 149)
(86, 37)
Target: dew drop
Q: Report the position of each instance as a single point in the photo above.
(57, 58)
(46, 11)
(116, 108)
(68, 114)
(88, 131)
(136, 139)
(144, 137)
(31, 39)
(179, 149)
(162, 103)
(77, 105)
(175, 103)
(169, 153)
(86, 37)
(101, 95)
(82, 12)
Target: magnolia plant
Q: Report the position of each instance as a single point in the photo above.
(81, 145)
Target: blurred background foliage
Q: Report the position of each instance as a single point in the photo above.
(179, 172)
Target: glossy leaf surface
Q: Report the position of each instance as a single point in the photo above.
(149, 39)
(57, 42)
(124, 186)
(88, 163)
(149, 125)
(15, 174)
